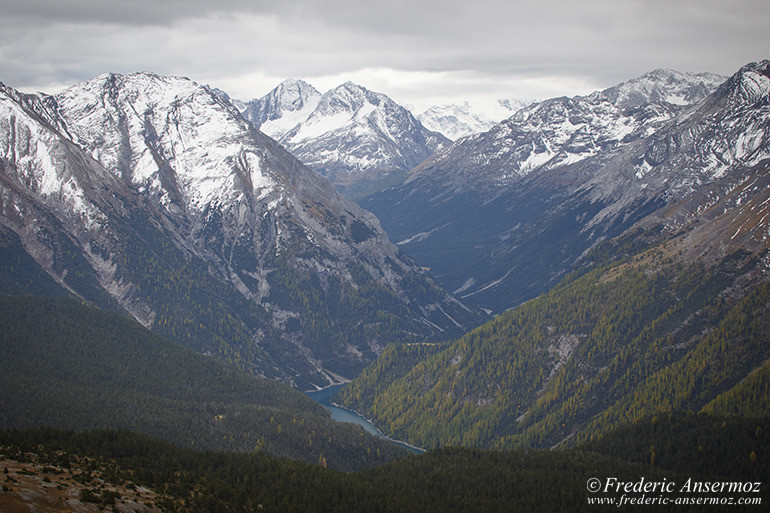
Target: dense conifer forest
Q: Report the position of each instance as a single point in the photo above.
(73, 366)
(443, 480)
(614, 342)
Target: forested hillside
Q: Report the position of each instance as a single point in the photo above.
(749, 398)
(443, 480)
(613, 343)
(68, 365)
(697, 444)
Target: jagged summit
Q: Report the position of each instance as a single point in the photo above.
(294, 92)
(282, 108)
(337, 109)
(749, 85)
(726, 131)
(355, 137)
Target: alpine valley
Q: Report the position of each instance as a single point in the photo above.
(623, 235)
(620, 238)
(153, 196)
(501, 216)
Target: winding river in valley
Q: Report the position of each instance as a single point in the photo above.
(324, 398)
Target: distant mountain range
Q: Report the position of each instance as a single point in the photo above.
(153, 195)
(501, 216)
(459, 120)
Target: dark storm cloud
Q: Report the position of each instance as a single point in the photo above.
(448, 46)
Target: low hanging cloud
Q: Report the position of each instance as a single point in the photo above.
(413, 50)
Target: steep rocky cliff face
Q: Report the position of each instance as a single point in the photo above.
(154, 195)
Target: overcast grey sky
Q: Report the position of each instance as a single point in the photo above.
(417, 51)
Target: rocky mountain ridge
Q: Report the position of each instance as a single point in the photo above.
(154, 195)
(545, 185)
(563, 131)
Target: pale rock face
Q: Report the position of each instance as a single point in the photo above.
(138, 126)
(194, 155)
(61, 203)
(33, 152)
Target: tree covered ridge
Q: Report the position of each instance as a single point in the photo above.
(699, 444)
(612, 343)
(72, 366)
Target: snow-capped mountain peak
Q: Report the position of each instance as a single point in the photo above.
(336, 109)
(750, 85)
(351, 98)
(348, 134)
(283, 108)
(729, 129)
(462, 119)
(294, 94)
(141, 126)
